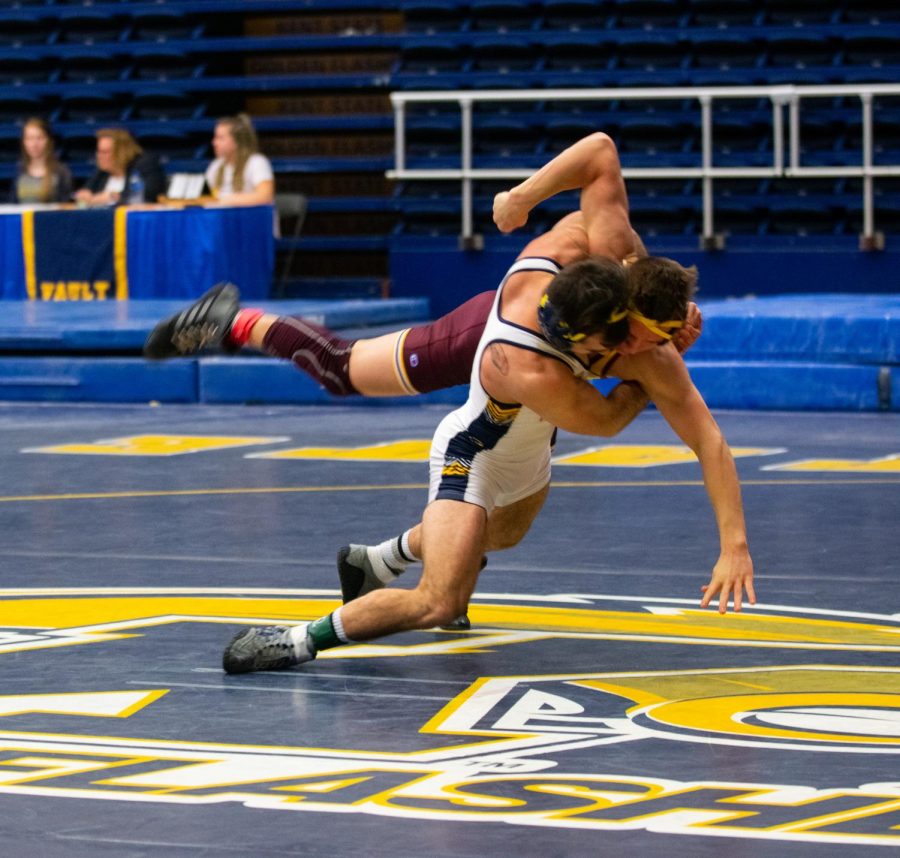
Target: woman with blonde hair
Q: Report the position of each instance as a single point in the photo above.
(125, 173)
(41, 178)
(240, 175)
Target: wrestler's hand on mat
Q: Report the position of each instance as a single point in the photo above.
(732, 575)
(687, 335)
(509, 214)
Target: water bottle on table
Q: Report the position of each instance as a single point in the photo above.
(135, 189)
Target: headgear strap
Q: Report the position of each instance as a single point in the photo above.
(558, 332)
(666, 330)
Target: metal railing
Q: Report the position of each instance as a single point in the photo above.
(783, 98)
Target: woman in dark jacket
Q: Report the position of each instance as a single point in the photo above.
(125, 173)
(41, 178)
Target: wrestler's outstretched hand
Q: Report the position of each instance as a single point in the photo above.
(732, 575)
(508, 213)
(687, 334)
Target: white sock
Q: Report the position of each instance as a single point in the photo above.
(391, 557)
(298, 639)
(338, 624)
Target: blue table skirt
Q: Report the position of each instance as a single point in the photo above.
(170, 253)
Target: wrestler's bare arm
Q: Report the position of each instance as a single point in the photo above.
(662, 373)
(591, 165)
(547, 387)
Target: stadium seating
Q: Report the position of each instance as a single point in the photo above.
(173, 63)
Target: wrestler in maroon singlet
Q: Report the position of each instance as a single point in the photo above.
(434, 356)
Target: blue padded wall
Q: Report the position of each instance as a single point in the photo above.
(65, 379)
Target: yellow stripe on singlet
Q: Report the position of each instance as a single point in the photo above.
(400, 366)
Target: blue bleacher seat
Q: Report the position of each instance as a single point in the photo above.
(163, 23)
(800, 48)
(167, 143)
(722, 13)
(20, 28)
(432, 16)
(742, 138)
(649, 51)
(647, 13)
(564, 130)
(10, 143)
(90, 104)
(738, 216)
(433, 137)
(871, 11)
(577, 52)
(500, 137)
(502, 55)
(869, 47)
(887, 213)
(164, 103)
(90, 65)
(430, 56)
(673, 216)
(79, 144)
(25, 68)
(750, 76)
(649, 135)
(430, 218)
(726, 48)
(86, 25)
(159, 62)
(869, 74)
(811, 76)
(17, 105)
(887, 136)
(502, 16)
(793, 215)
(572, 15)
(800, 12)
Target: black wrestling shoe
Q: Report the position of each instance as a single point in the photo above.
(356, 573)
(203, 325)
(263, 648)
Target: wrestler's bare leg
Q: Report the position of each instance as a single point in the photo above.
(506, 525)
(372, 369)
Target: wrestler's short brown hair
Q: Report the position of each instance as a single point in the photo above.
(661, 288)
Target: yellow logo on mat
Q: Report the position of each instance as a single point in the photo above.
(155, 445)
(886, 465)
(647, 455)
(507, 748)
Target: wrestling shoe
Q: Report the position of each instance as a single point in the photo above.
(264, 648)
(358, 578)
(356, 573)
(204, 324)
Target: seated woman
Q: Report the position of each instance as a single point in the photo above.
(125, 173)
(240, 175)
(41, 178)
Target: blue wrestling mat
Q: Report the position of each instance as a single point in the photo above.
(112, 326)
(593, 709)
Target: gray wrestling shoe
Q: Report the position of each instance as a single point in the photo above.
(358, 578)
(204, 324)
(356, 573)
(264, 648)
